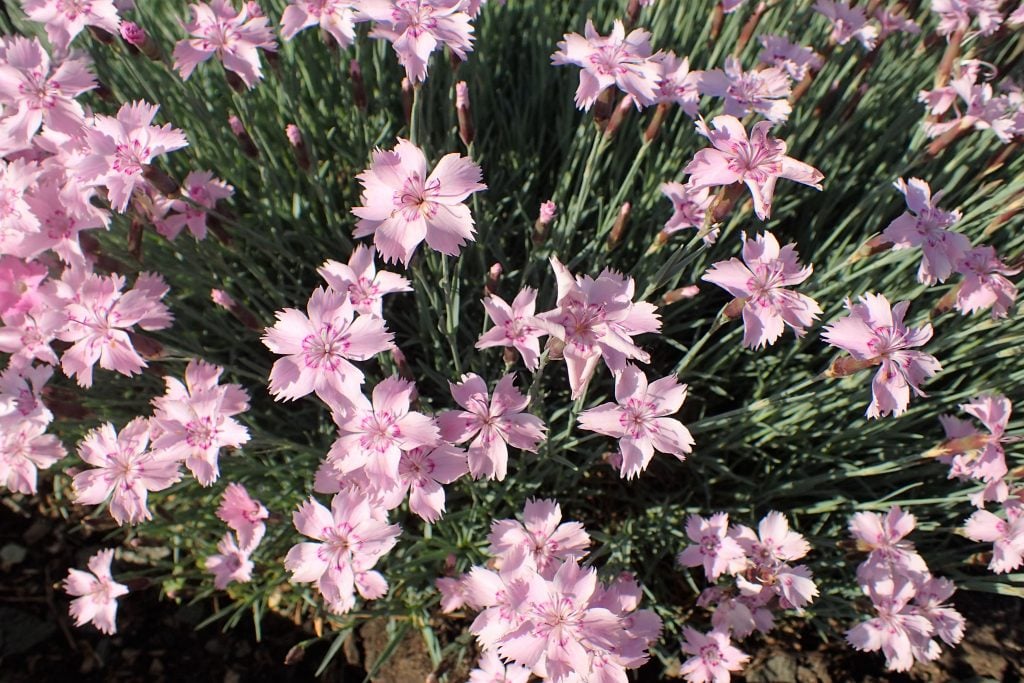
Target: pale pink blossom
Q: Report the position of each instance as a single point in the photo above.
(124, 469)
(318, 349)
(95, 593)
(99, 319)
(243, 514)
(336, 17)
(234, 36)
(955, 15)
(925, 225)
(930, 600)
(1006, 535)
(121, 149)
(1016, 17)
(897, 626)
(758, 161)
(20, 281)
(795, 60)
(373, 435)
(677, 83)
(515, 326)
(65, 19)
(28, 336)
(25, 449)
(416, 28)
(402, 205)
(713, 657)
(21, 400)
(714, 550)
(541, 535)
(971, 454)
(848, 22)
(349, 539)
(762, 91)
(200, 191)
(17, 222)
(421, 473)
(875, 332)
(366, 286)
(761, 284)
(639, 419)
(884, 539)
(981, 108)
(547, 213)
(616, 59)
(891, 20)
(490, 669)
(493, 423)
(231, 563)
(195, 420)
(985, 284)
(689, 206)
(63, 212)
(36, 92)
(562, 631)
(597, 319)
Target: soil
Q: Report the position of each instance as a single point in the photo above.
(157, 640)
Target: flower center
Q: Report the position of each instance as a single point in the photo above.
(325, 349)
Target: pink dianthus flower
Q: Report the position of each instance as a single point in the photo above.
(366, 286)
(402, 205)
(96, 593)
(758, 161)
(234, 36)
(416, 28)
(125, 470)
(616, 59)
(318, 349)
(761, 285)
(492, 422)
(874, 332)
(640, 420)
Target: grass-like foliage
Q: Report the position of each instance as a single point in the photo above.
(780, 427)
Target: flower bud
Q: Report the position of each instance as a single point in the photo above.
(466, 132)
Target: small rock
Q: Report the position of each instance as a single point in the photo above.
(12, 554)
(779, 668)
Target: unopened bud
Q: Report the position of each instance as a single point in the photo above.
(407, 99)
(618, 116)
(677, 295)
(493, 276)
(548, 210)
(466, 132)
(160, 180)
(734, 308)
(294, 136)
(555, 347)
(242, 135)
(620, 226)
(844, 366)
(875, 245)
(137, 39)
(355, 74)
(947, 302)
(241, 313)
(655, 125)
(401, 363)
(148, 348)
(135, 239)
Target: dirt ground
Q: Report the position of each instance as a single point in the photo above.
(157, 640)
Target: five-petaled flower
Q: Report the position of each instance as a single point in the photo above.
(96, 593)
(402, 205)
(758, 161)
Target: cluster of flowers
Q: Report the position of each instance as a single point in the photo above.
(909, 602)
(540, 612)
(974, 455)
(415, 28)
(191, 423)
(764, 582)
(972, 91)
